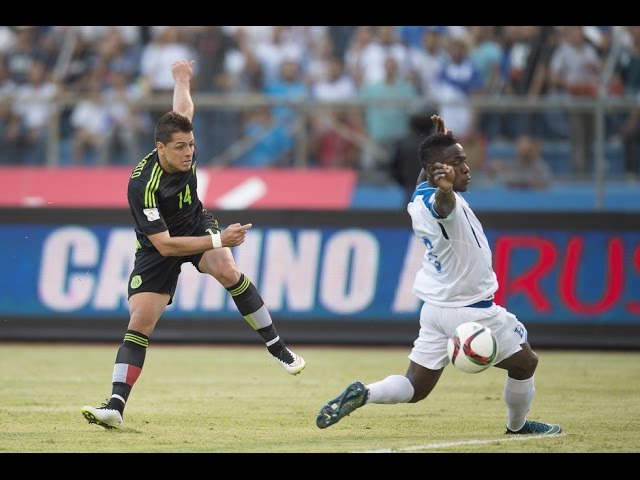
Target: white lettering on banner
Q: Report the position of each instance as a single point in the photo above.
(65, 249)
(350, 270)
(290, 269)
(115, 267)
(404, 300)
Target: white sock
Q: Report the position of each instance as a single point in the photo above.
(393, 389)
(518, 395)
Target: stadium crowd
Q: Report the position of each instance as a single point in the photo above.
(346, 72)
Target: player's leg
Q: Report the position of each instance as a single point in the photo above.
(410, 388)
(220, 264)
(145, 309)
(152, 284)
(520, 361)
(427, 360)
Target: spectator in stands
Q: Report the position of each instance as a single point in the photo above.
(288, 86)
(336, 129)
(89, 121)
(317, 64)
(427, 60)
(265, 141)
(486, 55)
(219, 126)
(628, 65)
(8, 135)
(458, 81)
(384, 44)
(341, 36)
(576, 70)
(82, 59)
(353, 57)
(33, 108)
(117, 54)
(385, 123)
(167, 46)
(126, 122)
(21, 53)
(525, 64)
(242, 73)
(6, 39)
(631, 141)
(272, 53)
(628, 68)
(528, 170)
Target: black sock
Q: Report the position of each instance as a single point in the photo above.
(271, 339)
(251, 306)
(127, 368)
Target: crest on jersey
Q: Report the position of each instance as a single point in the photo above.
(152, 214)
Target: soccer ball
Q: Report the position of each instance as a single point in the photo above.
(472, 348)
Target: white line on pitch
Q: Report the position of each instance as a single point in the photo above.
(430, 446)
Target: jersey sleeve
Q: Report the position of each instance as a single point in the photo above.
(144, 208)
(428, 195)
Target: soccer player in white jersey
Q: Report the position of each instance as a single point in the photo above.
(456, 284)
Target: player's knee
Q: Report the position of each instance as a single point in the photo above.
(226, 273)
(419, 395)
(532, 364)
(525, 367)
(419, 392)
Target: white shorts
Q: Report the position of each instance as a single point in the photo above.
(438, 323)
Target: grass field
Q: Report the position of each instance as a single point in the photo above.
(237, 399)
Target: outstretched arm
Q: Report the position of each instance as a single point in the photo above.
(438, 122)
(182, 71)
(169, 246)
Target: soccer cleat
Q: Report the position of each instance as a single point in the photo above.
(103, 416)
(537, 428)
(354, 396)
(291, 362)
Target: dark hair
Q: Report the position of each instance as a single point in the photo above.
(433, 145)
(170, 123)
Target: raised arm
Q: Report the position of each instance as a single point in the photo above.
(182, 71)
(439, 124)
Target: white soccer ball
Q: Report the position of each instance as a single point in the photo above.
(472, 348)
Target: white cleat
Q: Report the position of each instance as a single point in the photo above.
(105, 417)
(292, 363)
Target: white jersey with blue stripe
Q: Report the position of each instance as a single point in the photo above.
(456, 268)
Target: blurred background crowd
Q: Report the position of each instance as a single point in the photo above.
(524, 100)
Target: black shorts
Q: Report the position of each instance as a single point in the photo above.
(154, 273)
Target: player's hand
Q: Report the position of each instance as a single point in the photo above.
(439, 124)
(443, 176)
(235, 234)
(182, 69)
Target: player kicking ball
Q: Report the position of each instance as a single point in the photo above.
(456, 284)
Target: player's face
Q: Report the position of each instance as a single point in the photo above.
(455, 156)
(177, 155)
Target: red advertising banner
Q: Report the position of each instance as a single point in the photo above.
(225, 189)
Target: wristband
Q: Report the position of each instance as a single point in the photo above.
(216, 240)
